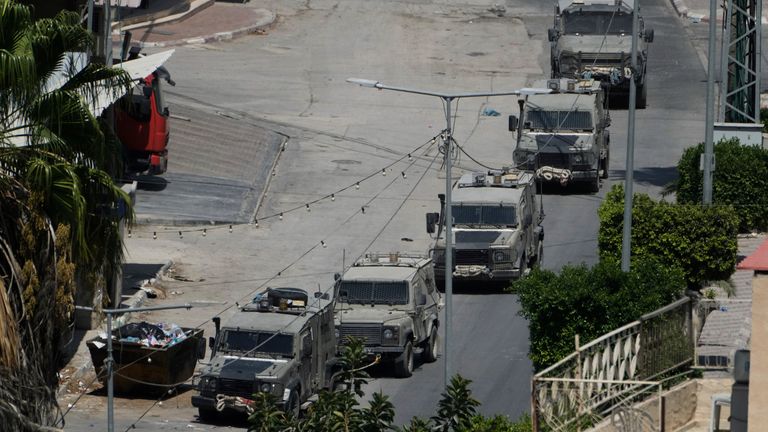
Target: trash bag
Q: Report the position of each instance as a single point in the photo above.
(141, 330)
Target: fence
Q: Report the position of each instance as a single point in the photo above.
(607, 372)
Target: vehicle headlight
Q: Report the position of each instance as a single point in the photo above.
(501, 256)
(389, 333)
(207, 384)
(265, 387)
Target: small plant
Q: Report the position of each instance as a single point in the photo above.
(710, 294)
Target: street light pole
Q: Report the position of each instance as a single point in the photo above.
(110, 361)
(710, 109)
(447, 98)
(629, 178)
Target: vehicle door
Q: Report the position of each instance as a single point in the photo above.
(433, 296)
(306, 363)
(420, 301)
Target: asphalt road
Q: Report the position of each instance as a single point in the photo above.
(292, 80)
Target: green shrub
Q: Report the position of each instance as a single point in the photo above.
(740, 179)
(699, 240)
(590, 302)
(500, 424)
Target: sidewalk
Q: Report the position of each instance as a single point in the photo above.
(179, 22)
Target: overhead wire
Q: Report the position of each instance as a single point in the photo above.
(266, 281)
(317, 299)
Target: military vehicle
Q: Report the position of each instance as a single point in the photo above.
(593, 39)
(282, 343)
(497, 232)
(562, 137)
(391, 302)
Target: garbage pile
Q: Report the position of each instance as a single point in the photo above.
(158, 335)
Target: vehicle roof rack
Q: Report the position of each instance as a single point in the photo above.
(288, 300)
(399, 259)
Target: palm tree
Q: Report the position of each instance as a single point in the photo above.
(59, 205)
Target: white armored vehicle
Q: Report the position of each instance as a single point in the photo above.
(593, 39)
(562, 136)
(281, 343)
(497, 232)
(390, 301)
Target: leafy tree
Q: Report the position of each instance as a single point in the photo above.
(590, 302)
(57, 201)
(740, 180)
(699, 240)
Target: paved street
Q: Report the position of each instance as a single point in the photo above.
(291, 80)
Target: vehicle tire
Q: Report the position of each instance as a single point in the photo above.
(594, 185)
(537, 260)
(642, 96)
(207, 415)
(293, 404)
(429, 355)
(604, 166)
(404, 363)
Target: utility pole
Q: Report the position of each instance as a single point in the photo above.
(447, 98)
(710, 119)
(107, 32)
(629, 178)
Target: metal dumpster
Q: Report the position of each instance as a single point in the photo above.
(148, 370)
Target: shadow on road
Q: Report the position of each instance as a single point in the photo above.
(651, 176)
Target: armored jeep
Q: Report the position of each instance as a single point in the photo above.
(282, 343)
(562, 137)
(593, 39)
(497, 232)
(391, 302)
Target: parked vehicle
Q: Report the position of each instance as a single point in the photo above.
(391, 302)
(281, 343)
(497, 232)
(593, 39)
(563, 136)
(141, 123)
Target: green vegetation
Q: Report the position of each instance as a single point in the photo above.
(58, 203)
(590, 302)
(341, 411)
(699, 240)
(740, 180)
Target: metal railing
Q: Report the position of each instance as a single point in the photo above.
(613, 368)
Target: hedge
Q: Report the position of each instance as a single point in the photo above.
(740, 179)
(699, 240)
(590, 302)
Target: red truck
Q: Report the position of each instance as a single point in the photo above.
(141, 123)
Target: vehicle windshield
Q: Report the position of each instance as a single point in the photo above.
(252, 343)
(597, 23)
(374, 292)
(558, 120)
(503, 215)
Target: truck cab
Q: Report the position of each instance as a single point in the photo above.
(281, 343)
(593, 39)
(141, 124)
(563, 137)
(391, 302)
(497, 232)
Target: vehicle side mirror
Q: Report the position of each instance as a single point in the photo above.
(336, 276)
(432, 219)
(211, 342)
(147, 91)
(552, 34)
(649, 35)
(166, 112)
(421, 300)
(201, 348)
(513, 123)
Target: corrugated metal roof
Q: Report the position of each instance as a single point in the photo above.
(757, 260)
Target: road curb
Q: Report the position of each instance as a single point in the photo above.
(136, 300)
(267, 20)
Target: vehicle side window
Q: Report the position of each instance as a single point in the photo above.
(306, 345)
